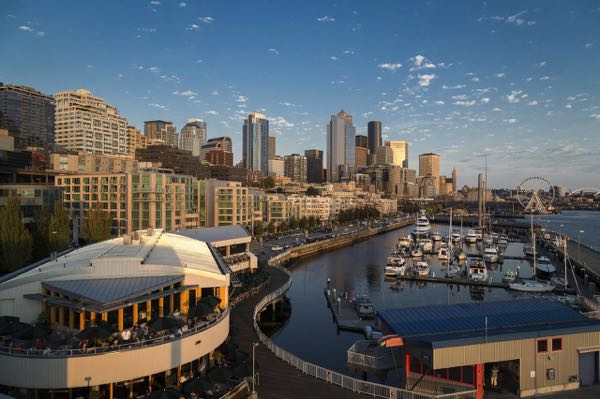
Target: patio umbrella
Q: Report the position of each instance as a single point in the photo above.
(95, 332)
(210, 300)
(12, 327)
(197, 385)
(33, 332)
(200, 310)
(165, 393)
(164, 323)
(219, 374)
(241, 370)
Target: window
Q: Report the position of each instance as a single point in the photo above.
(542, 346)
(556, 344)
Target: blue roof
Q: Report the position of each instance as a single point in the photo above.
(516, 318)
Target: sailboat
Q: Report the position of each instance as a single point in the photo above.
(451, 270)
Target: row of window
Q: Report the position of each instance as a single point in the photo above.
(542, 345)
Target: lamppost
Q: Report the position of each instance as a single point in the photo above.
(561, 227)
(254, 345)
(579, 233)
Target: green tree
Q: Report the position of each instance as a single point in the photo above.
(268, 182)
(303, 223)
(15, 240)
(59, 231)
(259, 229)
(271, 228)
(282, 226)
(40, 234)
(312, 221)
(312, 192)
(293, 223)
(96, 224)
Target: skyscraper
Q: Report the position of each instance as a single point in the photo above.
(295, 167)
(399, 152)
(340, 147)
(454, 180)
(88, 124)
(255, 134)
(161, 130)
(272, 146)
(193, 136)
(28, 115)
(362, 141)
(314, 166)
(429, 165)
(374, 133)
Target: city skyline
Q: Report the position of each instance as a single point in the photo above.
(508, 94)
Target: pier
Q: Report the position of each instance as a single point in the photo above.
(343, 313)
(454, 280)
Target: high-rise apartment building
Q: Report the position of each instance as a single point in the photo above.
(399, 152)
(135, 140)
(277, 166)
(361, 141)
(374, 135)
(272, 146)
(429, 165)
(314, 166)
(193, 136)
(88, 124)
(454, 180)
(384, 155)
(362, 157)
(340, 147)
(219, 157)
(295, 167)
(229, 203)
(222, 143)
(255, 149)
(28, 115)
(161, 130)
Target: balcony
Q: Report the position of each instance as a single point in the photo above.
(71, 368)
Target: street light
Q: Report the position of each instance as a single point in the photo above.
(579, 233)
(561, 227)
(254, 345)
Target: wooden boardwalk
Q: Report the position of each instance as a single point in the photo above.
(344, 314)
(278, 379)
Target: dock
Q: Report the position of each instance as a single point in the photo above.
(343, 313)
(455, 280)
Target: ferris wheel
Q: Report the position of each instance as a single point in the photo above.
(536, 195)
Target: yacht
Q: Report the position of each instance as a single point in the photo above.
(452, 271)
(422, 227)
(436, 236)
(456, 237)
(544, 269)
(531, 286)
(477, 270)
(502, 242)
(471, 237)
(443, 254)
(405, 241)
(420, 269)
(460, 254)
(479, 234)
(363, 307)
(416, 253)
(528, 250)
(426, 245)
(394, 271)
(490, 255)
(488, 240)
(395, 259)
(509, 276)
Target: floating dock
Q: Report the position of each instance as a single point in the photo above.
(344, 314)
(454, 280)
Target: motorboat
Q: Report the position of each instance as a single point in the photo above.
(544, 269)
(502, 242)
(477, 270)
(452, 271)
(363, 307)
(443, 254)
(416, 253)
(479, 234)
(405, 242)
(436, 236)
(490, 255)
(422, 226)
(531, 286)
(509, 276)
(528, 251)
(456, 237)
(460, 254)
(426, 245)
(394, 271)
(488, 240)
(471, 237)
(395, 259)
(420, 269)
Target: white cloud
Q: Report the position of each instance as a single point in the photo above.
(214, 93)
(11, 16)
(159, 106)
(351, 52)
(496, 109)
(485, 100)
(500, 75)
(334, 58)
(517, 19)
(421, 62)
(463, 103)
(273, 51)
(475, 79)
(541, 64)
(545, 77)
(25, 28)
(182, 4)
(206, 20)
(510, 121)
(389, 67)
(532, 103)
(40, 34)
(425, 79)
(199, 61)
(326, 19)
(287, 104)
(595, 116)
(186, 93)
(241, 99)
(154, 69)
(281, 123)
(460, 97)
(193, 27)
(569, 106)
(589, 45)
(212, 112)
(513, 97)
(439, 102)
(453, 87)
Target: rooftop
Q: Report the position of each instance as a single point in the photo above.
(216, 234)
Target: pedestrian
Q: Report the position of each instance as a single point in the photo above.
(494, 376)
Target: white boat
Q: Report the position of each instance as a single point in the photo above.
(460, 254)
(405, 241)
(528, 251)
(422, 227)
(477, 270)
(421, 269)
(490, 255)
(452, 271)
(436, 236)
(479, 234)
(502, 242)
(471, 237)
(416, 253)
(426, 245)
(456, 237)
(544, 269)
(394, 271)
(531, 286)
(488, 240)
(443, 254)
(509, 276)
(395, 259)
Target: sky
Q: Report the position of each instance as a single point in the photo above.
(517, 81)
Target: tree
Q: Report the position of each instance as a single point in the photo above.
(302, 223)
(271, 227)
(293, 223)
(40, 234)
(15, 240)
(96, 224)
(259, 229)
(312, 192)
(282, 226)
(268, 182)
(59, 231)
(312, 221)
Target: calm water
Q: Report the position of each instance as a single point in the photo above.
(572, 222)
(311, 332)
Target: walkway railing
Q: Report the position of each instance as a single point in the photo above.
(233, 302)
(333, 377)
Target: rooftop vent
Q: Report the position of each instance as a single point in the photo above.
(127, 239)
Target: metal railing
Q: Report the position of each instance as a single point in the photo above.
(333, 377)
(233, 302)
(54, 353)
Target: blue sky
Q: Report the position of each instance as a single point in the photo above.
(517, 80)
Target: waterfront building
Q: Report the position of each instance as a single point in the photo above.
(399, 152)
(374, 136)
(166, 156)
(72, 162)
(307, 206)
(314, 166)
(295, 167)
(255, 135)
(126, 283)
(86, 123)
(135, 140)
(33, 197)
(276, 208)
(229, 203)
(28, 115)
(272, 146)
(164, 131)
(340, 147)
(137, 200)
(229, 173)
(277, 166)
(429, 165)
(193, 136)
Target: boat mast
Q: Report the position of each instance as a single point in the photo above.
(450, 256)
(533, 242)
(565, 259)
